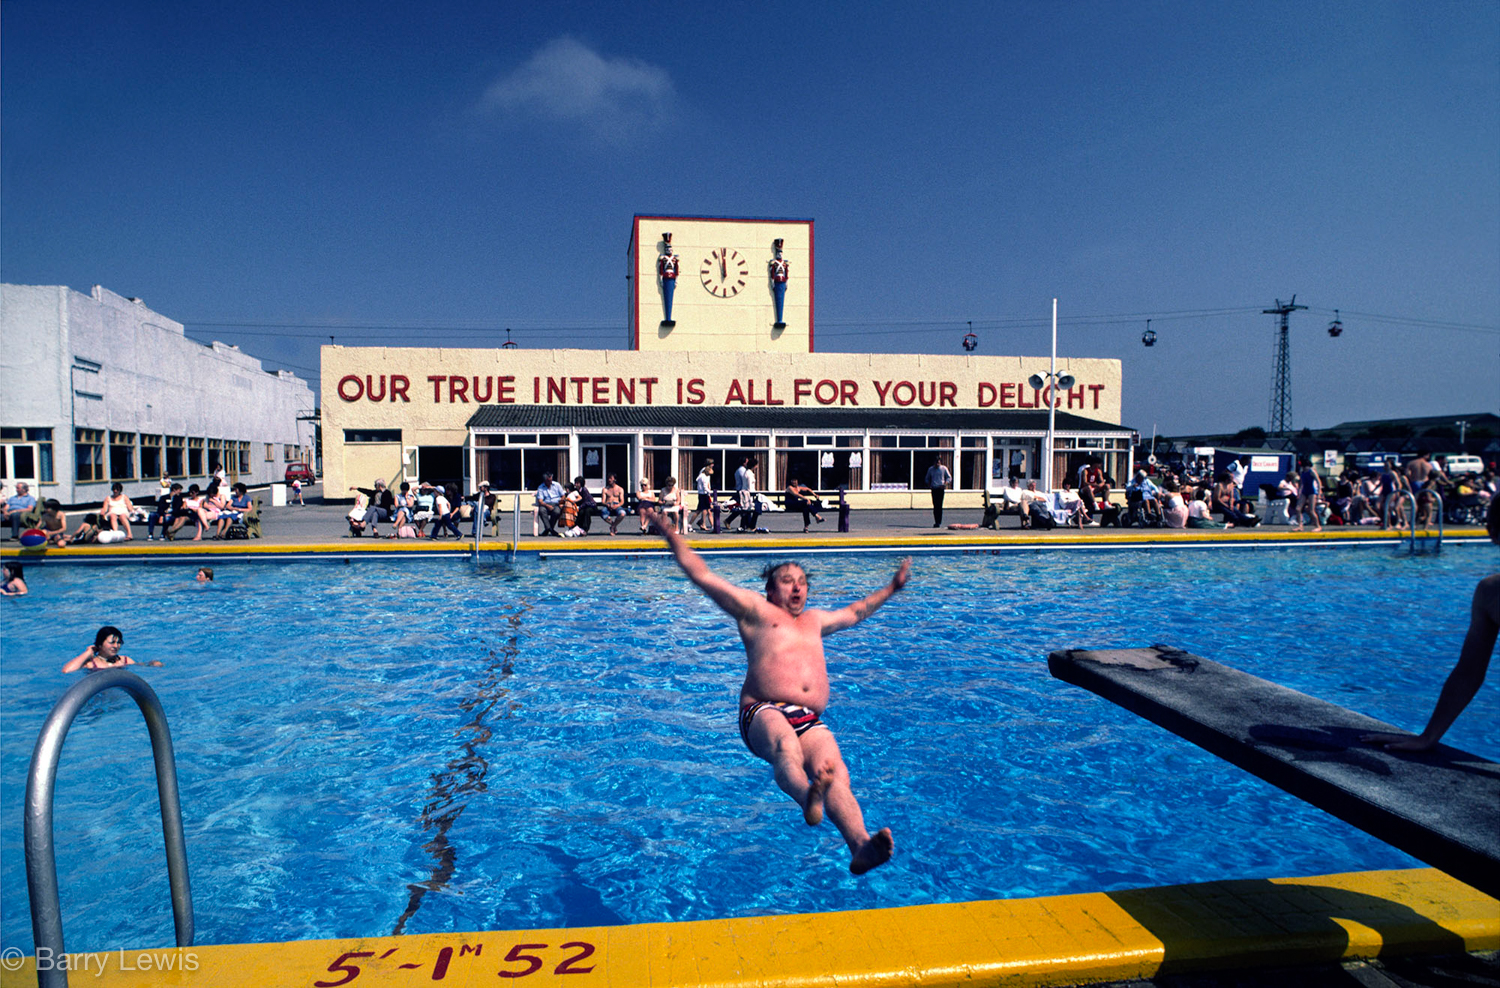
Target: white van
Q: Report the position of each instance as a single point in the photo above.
(1464, 463)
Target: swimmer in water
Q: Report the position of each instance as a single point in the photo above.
(104, 653)
(786, 688)
(205, 575)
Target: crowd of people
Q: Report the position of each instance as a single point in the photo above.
(212, 512)
(567, 510)
(1191, 496)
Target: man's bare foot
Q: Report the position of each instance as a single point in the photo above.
(874, 852)
(812, 810)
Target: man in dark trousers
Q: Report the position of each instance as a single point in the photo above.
(938, 480)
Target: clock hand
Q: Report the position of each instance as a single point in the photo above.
(723, 270)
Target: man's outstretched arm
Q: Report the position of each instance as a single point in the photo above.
(736, 601)
(848, 617)
(1465, 679)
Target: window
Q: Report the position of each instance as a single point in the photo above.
(195, 457)
(88, 455)
(122, 456)
(150, 456)
(244, 457)
(174, 448)
(372, 435)
(270, 452)
(290, 454)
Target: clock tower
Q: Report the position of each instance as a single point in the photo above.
(746, 284)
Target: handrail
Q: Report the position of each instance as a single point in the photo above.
(1411, 545)
(515, 529)
(41, 861)
(480, 511)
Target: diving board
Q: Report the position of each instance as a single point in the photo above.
(1441, 807)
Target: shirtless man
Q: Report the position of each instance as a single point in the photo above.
(786, 689)
(612, 498)
(1420, 474)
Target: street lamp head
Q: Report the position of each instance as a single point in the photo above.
(1065, 382)
(1036, 382)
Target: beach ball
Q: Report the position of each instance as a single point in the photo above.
(33, 537)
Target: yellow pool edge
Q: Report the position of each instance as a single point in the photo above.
(1057, 940)
(875, 540)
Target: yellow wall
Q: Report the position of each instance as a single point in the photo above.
(712, 323)
(430, 394)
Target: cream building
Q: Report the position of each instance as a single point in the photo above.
(718, 381)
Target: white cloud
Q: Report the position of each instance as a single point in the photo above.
(617, 99)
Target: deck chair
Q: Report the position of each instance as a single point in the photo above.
(248, 525)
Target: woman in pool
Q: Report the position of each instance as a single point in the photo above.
(13, 584)
(104, 653)
(115, 512)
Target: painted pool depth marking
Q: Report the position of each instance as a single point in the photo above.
(1018, 942)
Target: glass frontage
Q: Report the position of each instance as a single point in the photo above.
(516, 461)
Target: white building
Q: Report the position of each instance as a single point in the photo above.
(98, 388)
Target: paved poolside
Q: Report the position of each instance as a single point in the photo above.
(320, 529)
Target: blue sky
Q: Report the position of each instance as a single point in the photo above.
(272, 174)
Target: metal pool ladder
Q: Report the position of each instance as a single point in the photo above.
(1411, 540)
(41, 862)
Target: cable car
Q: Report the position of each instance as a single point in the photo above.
(1335, 328)
(1149, 336)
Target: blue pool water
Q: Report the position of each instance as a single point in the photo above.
(427, 746)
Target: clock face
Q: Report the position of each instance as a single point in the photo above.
(724, 272)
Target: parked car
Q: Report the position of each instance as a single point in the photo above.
(1464, 463)
(300, 471)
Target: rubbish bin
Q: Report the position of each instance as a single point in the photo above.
(278, 495)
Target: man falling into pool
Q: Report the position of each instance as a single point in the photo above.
(786, 689)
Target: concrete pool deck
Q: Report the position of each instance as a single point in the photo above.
(319, 530)
(1160, 933)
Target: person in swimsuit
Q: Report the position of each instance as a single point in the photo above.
(104, 653)
(116, 511)
(13, 583)
(786, 688)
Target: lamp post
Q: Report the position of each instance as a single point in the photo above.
(1052, 382)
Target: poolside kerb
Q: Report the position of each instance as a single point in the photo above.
(1069, 939)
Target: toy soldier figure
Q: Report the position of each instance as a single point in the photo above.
(666, 269)
(780, 268)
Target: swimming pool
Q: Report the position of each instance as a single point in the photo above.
(426, 746)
